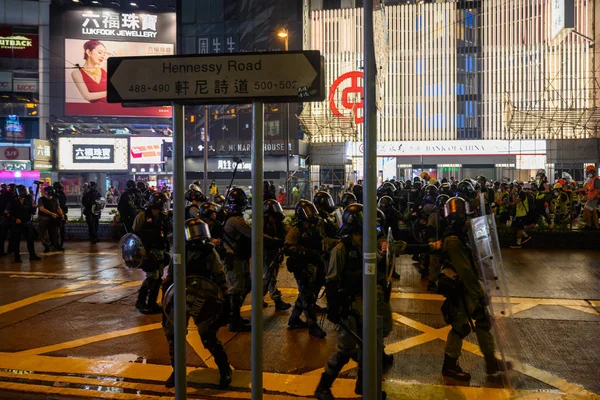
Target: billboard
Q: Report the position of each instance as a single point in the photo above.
(88, 37)
(86, 79)
(147, 150)
(92, 154)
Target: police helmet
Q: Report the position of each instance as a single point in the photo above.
(306, 211)
(430, 194)
(194, 195)
(58, 186)
(386, 189)
(385, 203)
(347, 199)
(236, 201)
(273, 208)
(456, 211)
(352, 219)
(196, 229)
(482, 180)
(142, 186)
(324, 202)
(206, 210)
(408, 185)
(157, 201)
(441, 200)
(446, 189)
(399, 185)
(49, 190)
(418, 184)
(93, 185)
(466, 190)
(130, 185)
(219, 199)
(22, 191)
(416, 179)
(358, 192)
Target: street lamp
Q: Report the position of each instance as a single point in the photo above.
(284, 34)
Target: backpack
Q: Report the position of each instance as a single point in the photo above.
(530, 207)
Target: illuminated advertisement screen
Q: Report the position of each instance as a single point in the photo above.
(147, 150)
(85, 87)
(88, 37)
(93, 154)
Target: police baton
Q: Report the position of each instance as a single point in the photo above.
(237, 162)
(351, 333)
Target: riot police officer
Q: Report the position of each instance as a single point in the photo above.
(347, 199)
(273, 254)
(6, 196)
(357, 190)
(49, 217)
(92, 209)
(143, 194)
(465, 298)
(196, 198)
(344, 300)
(62, 202)
(325, 206)
(20, 210)
(202, 261)
(304, 247)
(238, 247)
(152, 226)
(128, 205)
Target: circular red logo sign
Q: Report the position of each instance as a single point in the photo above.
(11, 153)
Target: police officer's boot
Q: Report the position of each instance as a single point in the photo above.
(281, 305)
(315, 330)
(224, 369)
(451, 369)
(170, 382)
(323, 391)
(236, 323)
(140, 304)
(494, 366)
(153, 307)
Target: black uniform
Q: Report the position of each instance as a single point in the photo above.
(92, 213)
(49, 220)
(20, 211)
(152, 230)
(129, 204)
(5, 197)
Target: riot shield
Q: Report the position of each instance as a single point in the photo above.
(132, 252)
(204, 301)
(488, 260)
(338, 216)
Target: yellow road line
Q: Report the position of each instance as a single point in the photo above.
(92, 339)
(21, 387)
(595, 303)
(34, 273)
(521, 307)
(193, 338)
(588, 309)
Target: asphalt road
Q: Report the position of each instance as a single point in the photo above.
(68, 329)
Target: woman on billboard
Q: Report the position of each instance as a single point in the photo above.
(90, 79)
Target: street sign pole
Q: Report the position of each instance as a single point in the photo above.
(179, 250)
(206, 150)
(371, 387)
(257, 248)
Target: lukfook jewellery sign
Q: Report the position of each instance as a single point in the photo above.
(110, 23)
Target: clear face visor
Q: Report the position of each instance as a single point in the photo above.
(196, 230)
(310, 214)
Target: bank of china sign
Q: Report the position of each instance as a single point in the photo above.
(15, 43)
(115, 24)
(452, 148)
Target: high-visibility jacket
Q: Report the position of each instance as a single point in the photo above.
(592, 187)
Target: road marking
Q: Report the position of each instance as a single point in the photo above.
(585, 309)
(92, 339)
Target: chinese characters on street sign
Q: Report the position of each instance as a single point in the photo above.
(84, 153)
(226, 78)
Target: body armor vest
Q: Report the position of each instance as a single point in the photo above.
(153, 233)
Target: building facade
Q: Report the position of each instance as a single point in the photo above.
(464, 88)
